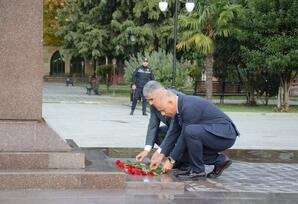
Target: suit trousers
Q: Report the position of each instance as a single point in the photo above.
(204, 147)
(139, 94)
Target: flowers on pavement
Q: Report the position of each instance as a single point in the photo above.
(140, 169)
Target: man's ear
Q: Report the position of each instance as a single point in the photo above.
(170, 101)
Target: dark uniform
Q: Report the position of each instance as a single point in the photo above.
(140, 77)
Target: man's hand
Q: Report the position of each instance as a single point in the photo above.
(156, 160)
(155, 155)
(141, 156)
(133, 87)
(167, 167)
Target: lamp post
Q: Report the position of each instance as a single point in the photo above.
(82, 70)
(114, 61)
(189, 5)
(133, 40)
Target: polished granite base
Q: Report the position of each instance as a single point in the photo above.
(59, 170)
(60, 179)
(42, 160)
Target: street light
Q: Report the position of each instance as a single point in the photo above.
(189, 5)
(114, 61)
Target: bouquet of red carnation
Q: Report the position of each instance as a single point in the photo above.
(139, 169)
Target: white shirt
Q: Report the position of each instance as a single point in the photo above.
(177, 112)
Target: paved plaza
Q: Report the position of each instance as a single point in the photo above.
(253, 178)
(103, 121)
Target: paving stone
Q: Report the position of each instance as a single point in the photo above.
(251, 177)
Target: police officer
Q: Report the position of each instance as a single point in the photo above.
(140, 77)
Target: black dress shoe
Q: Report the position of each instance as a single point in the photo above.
(145, 114)
(180, 167)
(190, 174)
(218, 169)
(131, 113)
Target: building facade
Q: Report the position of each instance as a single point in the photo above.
(58, 63)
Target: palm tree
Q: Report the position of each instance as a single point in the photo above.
(203, 26)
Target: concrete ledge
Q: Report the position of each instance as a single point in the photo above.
(249, 155)
(61, 180)
(42, 160)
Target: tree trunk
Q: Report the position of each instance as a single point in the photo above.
(283, 96)
(94, 65)
(285, 104)
(107, 75)
(266, 98)
(209, 75)
(107, 60)
(279, 97)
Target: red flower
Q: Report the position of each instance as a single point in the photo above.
(130, 172)
(150, 173)
(131, 169)
(130, 166)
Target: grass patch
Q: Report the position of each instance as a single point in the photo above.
(124, 91)
(118, 90)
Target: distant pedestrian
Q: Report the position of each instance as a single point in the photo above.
(140, 77)
(70, 80)
(94, 84)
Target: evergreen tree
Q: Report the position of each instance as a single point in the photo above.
(85, 28)
(269, 44)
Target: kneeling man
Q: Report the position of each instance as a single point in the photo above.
(199, 128)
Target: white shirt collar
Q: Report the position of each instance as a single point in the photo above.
(177, 111)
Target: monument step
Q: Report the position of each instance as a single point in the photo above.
(42, 160)
(60, 179)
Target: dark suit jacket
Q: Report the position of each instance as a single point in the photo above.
(196, 110)
(153, 126)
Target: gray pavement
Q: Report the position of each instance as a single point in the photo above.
(251, 177)
(104, 121)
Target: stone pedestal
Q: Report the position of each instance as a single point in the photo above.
(21, 59)
(32, 155)
(21, 124)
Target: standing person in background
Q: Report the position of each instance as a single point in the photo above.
(140, 77)
(94, 84)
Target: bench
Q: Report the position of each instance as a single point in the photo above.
(69, 80)
(220, 89)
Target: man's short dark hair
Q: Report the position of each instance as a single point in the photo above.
(152, 87)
